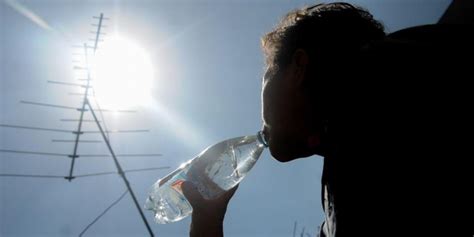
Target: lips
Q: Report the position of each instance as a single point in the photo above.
(266, 135)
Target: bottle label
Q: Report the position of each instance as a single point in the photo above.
(176, 185)
(168, 177)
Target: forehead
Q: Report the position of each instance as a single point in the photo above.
(271, 71)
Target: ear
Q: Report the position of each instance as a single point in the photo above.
(300, 61)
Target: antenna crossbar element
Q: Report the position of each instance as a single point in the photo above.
(82, 175)
(117, 111)
(119, 155)
(77, 120)
(118, 131)
(79, 94)
(80, 46)
(31, 176)
(68, 84)
(48, 105)
(101, 17)
(81, 141)
(36, 128)
(79, 68)
(125, 171)
(75, 155)
(137, 155)
(34, 153)
(95, 32)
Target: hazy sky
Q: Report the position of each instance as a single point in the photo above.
(207, 62)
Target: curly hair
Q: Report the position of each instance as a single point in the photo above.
(321, 29)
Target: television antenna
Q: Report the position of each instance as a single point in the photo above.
(86, 106)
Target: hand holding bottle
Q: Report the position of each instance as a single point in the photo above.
(208, 215)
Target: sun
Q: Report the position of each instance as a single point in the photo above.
(122, 74)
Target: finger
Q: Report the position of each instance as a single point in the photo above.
(191, 193)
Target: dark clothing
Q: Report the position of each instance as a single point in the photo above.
(401, 137)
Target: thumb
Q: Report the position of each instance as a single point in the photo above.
(191, 193)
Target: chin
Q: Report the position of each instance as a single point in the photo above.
(283, 156)
(283, 159)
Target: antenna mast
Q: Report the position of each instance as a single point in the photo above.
(85, 107)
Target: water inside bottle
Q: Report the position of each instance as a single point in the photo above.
(215, 170)
(166, 198)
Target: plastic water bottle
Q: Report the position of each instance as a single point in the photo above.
(217, 169)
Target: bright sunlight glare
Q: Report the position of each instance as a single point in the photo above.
(122, 74)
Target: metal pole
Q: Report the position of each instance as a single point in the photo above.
(99, 27)
(120, 170)
(78, 133)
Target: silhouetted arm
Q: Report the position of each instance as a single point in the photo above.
(208, 215)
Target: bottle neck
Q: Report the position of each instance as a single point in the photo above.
(261, 139)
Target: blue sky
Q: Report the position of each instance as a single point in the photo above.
(208, 66)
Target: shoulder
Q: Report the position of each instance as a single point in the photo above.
(435, 33)
(426, 40)
(421, 47)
